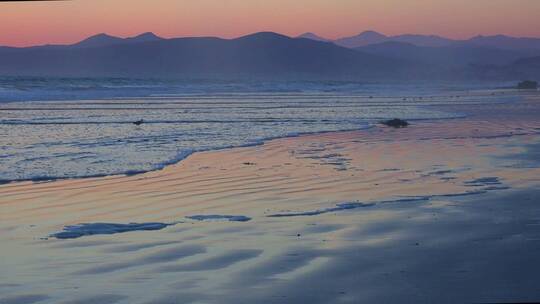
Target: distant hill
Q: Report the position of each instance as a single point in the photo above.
(423, 40)
(258, 55)
(362, 39)
(372, 37)
(268, 55)
(531, 62)
(496, 41)
(529, 68)
(313, 37)
(144, 37)
(101, 40)
(465, 61)
(521, 69)
(504, 42)
(447, 56)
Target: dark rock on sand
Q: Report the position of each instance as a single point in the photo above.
(395, 123)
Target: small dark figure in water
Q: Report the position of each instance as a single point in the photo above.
(528, 85)
(395, 123)
(138, 122)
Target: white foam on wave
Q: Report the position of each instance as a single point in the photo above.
(46, 133)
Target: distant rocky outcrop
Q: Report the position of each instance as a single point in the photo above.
(528, 85)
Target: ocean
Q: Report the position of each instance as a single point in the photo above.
(66, 128)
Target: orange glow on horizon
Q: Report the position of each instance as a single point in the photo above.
(33, 23)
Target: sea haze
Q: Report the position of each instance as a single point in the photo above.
(86, 134)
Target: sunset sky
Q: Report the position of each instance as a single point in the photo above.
(31, 23)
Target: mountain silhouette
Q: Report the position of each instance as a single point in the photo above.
(362, 39)
(505, 42)
(495, 41)
(99, 40)
(447, 56)
(103, 39)
(268, 55)
(264, 54)
(372, 37)
(313, 37)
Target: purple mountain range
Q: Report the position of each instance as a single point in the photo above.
(274, 56)
(372, 37)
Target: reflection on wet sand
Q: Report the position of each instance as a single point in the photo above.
(442, 209)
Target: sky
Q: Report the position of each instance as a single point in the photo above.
(62, 22)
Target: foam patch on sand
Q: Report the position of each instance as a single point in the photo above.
(483, 181)
(355, 205)
(217, 217)
(339, 207)
(86, 229)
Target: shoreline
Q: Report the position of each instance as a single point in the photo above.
(260, 142)
(170, 158)
(438, 209)
(371, 136)
(176, 161)
(206, 84)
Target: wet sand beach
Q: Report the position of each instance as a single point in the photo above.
(442, 211)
